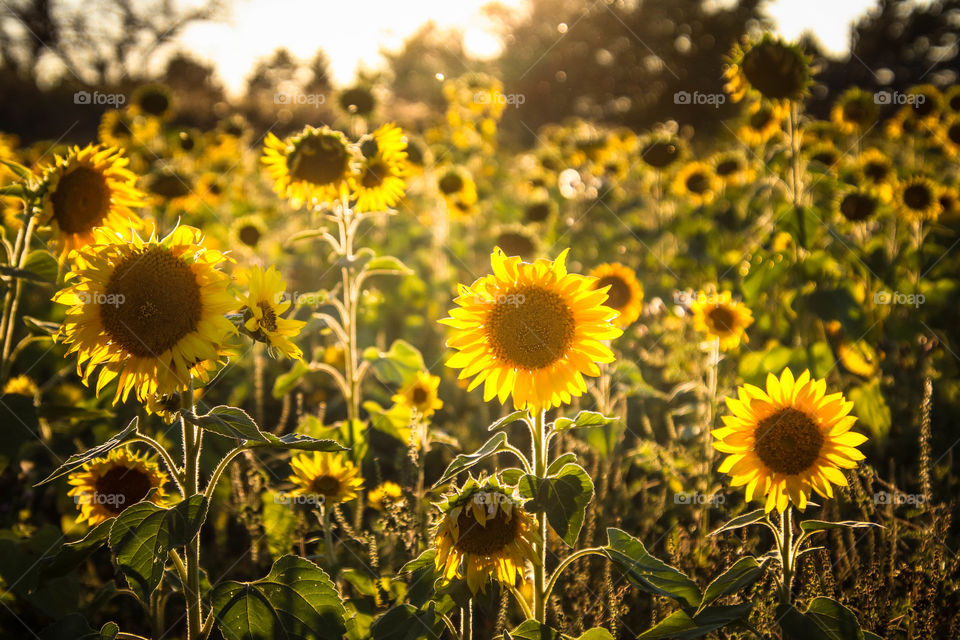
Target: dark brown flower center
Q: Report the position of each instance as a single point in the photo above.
(154, 103)
(319, 159)
(537, 212)
(269, 317)
(327, 486)
(249, 235)
(618, 296)
(373, 175)
(660, 154)
(761, 119)
(728, 167)
(170, 185)
(530, 327)
(788, 441)
(876, 171)
(420, 395)
(857, 206)
(484, 540)
(722, 319)
(450, 183)
(697, 183)
(516, 244)
(152, 300)
(917, 197)
(121, 487)
(953, 133)
(776, 71)
(357, 100)
(81, 200)
(859, 111)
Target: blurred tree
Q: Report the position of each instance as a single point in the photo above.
(284, 92)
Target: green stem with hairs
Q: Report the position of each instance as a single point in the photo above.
(539, 437)
(192, 442)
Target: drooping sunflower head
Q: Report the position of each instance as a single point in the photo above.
(721, 317)
(762, 121)
(264, 304)
(788, 439)
(698, 182)
(531, 331)
(917, 199)
(771, 69)
(330, 477)
(421, 394)
(311, 167)
(484, 533)
(855, 111)
(625, 294)
(385, 495)
(518, 241)
(458, 190)
(248, 231)
(732, 168)
(858, 204)
(358, 100)
(89, 188)
(379, 181)
(149, 313)
(105, 486)
(661, 150)
(155, 100)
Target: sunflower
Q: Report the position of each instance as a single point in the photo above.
(379, 183)
(421, 394)
(858, 204)
(105, 486)
(358, 101)
(330, 476)
(951, 99)
(697, 182)
(150, 313)
(173, 188)
(732, 168)
(878, 171)
(89, 188)
(917, 199)
(484, 533)
(518, 241)
(824, 154)
(762, 122)
(530, 330)
(770, 69)
(385, 495)
(721, 317)
(20, 385)
(787, 440)
(661, 150)
(154, 100)
(248, 230)
(458, 190)
(265, 302)
(950, 202)
(539, 209)
(311, 167)
(122, 129)
(855, 111)
(949, 135)
(625, 294)
(923, 104)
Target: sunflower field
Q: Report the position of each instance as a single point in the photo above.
(367, 378)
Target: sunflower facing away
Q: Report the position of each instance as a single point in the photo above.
(484, 533)
(379, 183)
(624, 295)
(421, 394)
(311, 167)
(770, 69)
(266, 300)
(788, 439)
(385, 495)
(105, 486)
(90, 188)
(721, 317)
(530, 330)
(149, 313)
(917, 200)
(327, 475)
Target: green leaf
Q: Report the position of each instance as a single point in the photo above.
(742, 521)
(507, 420)
(496, 444)
(406, 622)
(680, 626)
(563, 497)
(279, 524)
(79, 459)
(390, 264)
(43, 265)
(743, 573)
(396, 421)
(231, 422)
(558, 464)
(584, 419)
(871, 408)
(398, 366)
(533, 630)
(511, 476)
(825, 619)
(649, 573)
(285, 382)
(142, 536)
(299, 442)
(813, 526)
(21, 171)
(72, 554)
(295, 601)
(40, 326)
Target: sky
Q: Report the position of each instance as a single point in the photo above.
(353, 33)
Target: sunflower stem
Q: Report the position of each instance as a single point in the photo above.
(466, 621)
(540, 471)
(787, 555)
(192, 440)
(797, 179)
(12, 301)
(328, 537)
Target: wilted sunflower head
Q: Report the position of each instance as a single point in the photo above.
(721, 318)
(855, 111)
(311, 167)
(328, 477)
(917, 199)
(264, 304)
(697, 182)
(155, 100)
(89, 188)
(624, 292)
(149, 313)
(484, 533)
(788, 439)
(770, 68)
(105, 486)
(531, 331)
(421, 394)
(379, 182)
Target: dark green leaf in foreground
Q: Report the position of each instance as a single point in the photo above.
(649, 573)
(79, 459)
(681, 626)
(564, 498)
